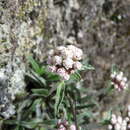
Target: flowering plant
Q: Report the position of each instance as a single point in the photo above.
(55, 96)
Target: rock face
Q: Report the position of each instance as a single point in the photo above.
(100, 27)
(11, 85)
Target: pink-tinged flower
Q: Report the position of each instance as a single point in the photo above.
(66, 76)
(52, 68)
(57, 60)
(61, 71)
(65, 59)
(78, 54)
(71, 47)
(72, 71)
(128, 126)
(113, 119)
(127, 119)
(61, 127)
(68, 63)
(119, 119)
(110, 127)
(60, 48)
(62, 124)
(129, 108)
(119, 81)
(77, 65)
(119, 122)
(66, 53)
(72, 127)
(117, 126)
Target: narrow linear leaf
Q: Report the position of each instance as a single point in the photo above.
(87, 67)
(34, 64)
(43, 92)
(59, 96)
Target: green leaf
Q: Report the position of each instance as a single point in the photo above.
(87, 67)
(114, 68)
(32, 108)
(59, 96)
(79, 107)
(31, 124)
(34, 64)
(81, 116)
(50, 122)
(76, 76)
(43, 92)
(52, 77)
(34, 76)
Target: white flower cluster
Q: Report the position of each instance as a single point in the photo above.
(65, 60)
(64, 125)
(119, 81)
(120, 123)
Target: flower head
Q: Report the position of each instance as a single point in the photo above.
(119, 81)
(64, 60)
(119, 122)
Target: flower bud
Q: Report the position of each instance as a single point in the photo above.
(77, 65)
(117, 126)
(128, 126)
(127, 119)
(61, 127)
(71, 47)
(73, 127)
(78, 54)
(128, 107)
(61, 71)
(57, 60)
(125, 79)
(113, 75)
(129, 114)
(123, 128)
(110, 127)
(113, 120)
(122, 83)
(66, 76)
(52, 68)
(68, 63)
(60, 48)
(119, 119)
(119, 77)
(124, 123)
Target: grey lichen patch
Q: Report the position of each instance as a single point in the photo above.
(5, 98)
(12, 84)
(17, 83)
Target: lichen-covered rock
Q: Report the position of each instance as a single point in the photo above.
(12, 84)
